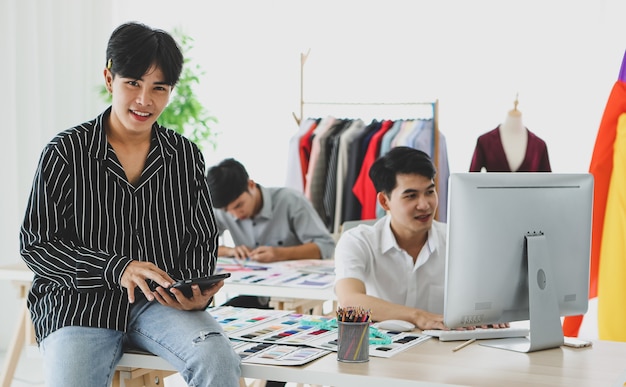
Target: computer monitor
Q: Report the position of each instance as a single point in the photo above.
(518, 249)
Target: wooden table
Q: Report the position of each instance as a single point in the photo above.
(23, 334)
(433, 363)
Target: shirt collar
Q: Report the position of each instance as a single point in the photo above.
(266, 209)
(99, 145)
(433, 239)
(388, 240)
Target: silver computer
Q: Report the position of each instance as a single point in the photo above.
(518, 249)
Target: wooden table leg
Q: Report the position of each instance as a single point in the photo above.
(15, 347)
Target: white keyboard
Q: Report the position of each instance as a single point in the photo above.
(478, 333)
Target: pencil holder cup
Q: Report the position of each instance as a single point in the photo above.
(353, 342)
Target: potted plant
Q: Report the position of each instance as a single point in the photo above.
(185, 114)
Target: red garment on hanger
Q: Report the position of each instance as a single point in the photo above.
(305, 144)
(363, 188)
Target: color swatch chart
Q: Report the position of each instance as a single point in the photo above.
(276, 327)
(326, 266)
(399, 342)
(292, 329)
(234, 319)
(276, 274)
(263, 353)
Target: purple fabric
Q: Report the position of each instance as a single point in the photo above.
(622, 71)
(489, 154)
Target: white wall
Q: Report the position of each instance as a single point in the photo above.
(562, 57)
(50, 69)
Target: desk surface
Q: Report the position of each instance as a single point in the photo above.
(433, 363)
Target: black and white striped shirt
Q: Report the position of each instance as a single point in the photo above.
(85, 223)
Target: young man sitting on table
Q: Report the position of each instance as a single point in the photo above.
(396, 267)
(266, 224)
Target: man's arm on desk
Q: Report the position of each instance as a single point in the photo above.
(267, 254)
(351, 292)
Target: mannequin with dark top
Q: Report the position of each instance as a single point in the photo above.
(514, 137)
(510, 147)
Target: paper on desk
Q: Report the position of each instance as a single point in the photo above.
(306, 273)
(321, 266)
(276, 354)
(287, 279)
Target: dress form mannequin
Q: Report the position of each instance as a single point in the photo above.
(514, 137)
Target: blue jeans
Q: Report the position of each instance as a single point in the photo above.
(193, 342)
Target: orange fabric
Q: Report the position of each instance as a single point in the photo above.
(571, 325)
(611, 285)
(601, 167)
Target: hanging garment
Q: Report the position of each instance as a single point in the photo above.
(318, 179)
(295, 162)
(356, 129)
(363, 188)
(356, 153)
(319, 131)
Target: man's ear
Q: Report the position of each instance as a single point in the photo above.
(108, 80)
(383, 200)
(251, 185)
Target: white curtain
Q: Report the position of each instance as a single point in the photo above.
(52, 53)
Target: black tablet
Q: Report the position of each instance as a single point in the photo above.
(204, 282)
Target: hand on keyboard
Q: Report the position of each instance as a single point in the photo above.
(495, 326)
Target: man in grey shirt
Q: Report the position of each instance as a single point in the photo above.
(266, 224)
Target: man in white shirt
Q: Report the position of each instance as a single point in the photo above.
(395, 268)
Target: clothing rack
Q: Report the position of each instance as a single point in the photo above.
(434, 104)
(303, 102)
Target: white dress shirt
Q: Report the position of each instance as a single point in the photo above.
(372, 255)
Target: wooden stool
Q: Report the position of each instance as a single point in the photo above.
(141, 369)
(139, 377)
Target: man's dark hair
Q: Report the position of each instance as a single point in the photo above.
(227, 181)
(399, 160)
(133, 48)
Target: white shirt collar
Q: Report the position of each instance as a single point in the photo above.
(388, 240)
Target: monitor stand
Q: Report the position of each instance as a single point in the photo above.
(545, 320)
